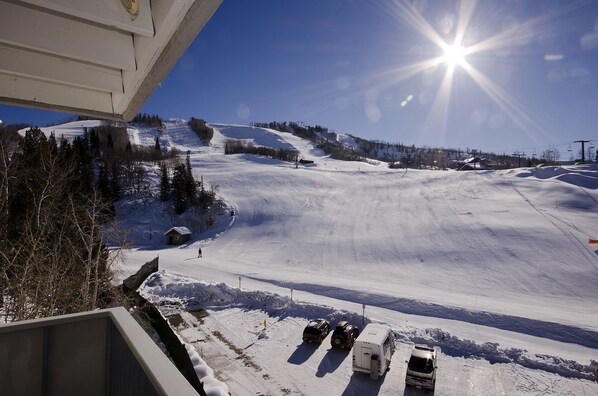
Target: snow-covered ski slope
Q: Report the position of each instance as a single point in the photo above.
(504, 242)
(497, 257)
(489, 264)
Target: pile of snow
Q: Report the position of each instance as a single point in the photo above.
(581, 175)
(211, 385)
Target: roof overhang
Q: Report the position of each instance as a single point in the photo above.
(101, 58)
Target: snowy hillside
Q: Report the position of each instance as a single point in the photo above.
(67, 131)
(492, 266)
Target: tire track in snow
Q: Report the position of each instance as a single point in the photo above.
(221, 298)
(517, 324)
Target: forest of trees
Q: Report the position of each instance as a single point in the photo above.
(202, 130)
(53, 256)
(183, 189)
(399, 155)
(56, 210)
(323, 139)
(149, 120)
(234, 146)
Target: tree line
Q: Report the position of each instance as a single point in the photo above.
(56, 209)
(177, 184)
(399, 155)
(234, 146)
(53, 225)
(323, 138)
(202, 130)
(152, 120)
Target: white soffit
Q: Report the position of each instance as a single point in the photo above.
(93, 57)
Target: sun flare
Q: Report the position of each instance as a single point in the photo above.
(454, 55)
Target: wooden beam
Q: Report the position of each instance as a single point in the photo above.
(64, 71)
(65, 55)
(35, 29)
(109, 13)
(41, 94)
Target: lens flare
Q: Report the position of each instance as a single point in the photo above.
(454, 55)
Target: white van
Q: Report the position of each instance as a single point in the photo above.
(373, 350)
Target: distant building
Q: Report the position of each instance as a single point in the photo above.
(474, 163)
(177, 235)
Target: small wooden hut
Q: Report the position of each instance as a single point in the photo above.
(177, 235)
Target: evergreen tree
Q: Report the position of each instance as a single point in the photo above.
(31, 146)
(52, 144)
(205, 197)
(191, 188)
(94, 142)
(83, 164)
(115, 181)
(157, 145)
(110, 143)
(65, 152)
(104, 183)
(164, 182)
(179, 189)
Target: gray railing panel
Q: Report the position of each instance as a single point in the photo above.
(102, 352)
(21, 362)
(127, 378)
(77, 358)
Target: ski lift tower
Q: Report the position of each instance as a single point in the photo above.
(583, 148)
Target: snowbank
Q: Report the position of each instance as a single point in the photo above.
(211, 385)
(175, 293)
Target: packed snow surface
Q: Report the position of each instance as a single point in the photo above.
(494, 267)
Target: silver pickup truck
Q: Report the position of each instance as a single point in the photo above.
(421, 367)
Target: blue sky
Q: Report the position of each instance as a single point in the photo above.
(375, 69)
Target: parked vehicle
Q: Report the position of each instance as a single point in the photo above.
(373, 350)
(421, 367)
(344, 335)
(316, 330)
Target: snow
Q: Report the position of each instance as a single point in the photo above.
(263, 137)
(493, 267)
(179, 230)
(68, 131)
(251, 359)
(211, 385)
(347, 141)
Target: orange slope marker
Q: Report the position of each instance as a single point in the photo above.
(592, 241)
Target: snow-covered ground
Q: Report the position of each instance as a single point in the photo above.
(494, 267)
(67, 131)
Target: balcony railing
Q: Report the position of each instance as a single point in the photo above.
(102, 352)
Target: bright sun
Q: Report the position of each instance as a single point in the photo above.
(454, 55)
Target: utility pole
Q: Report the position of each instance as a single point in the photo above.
(583, 148)
(519, 155)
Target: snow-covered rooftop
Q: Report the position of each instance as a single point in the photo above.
(178, 230)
